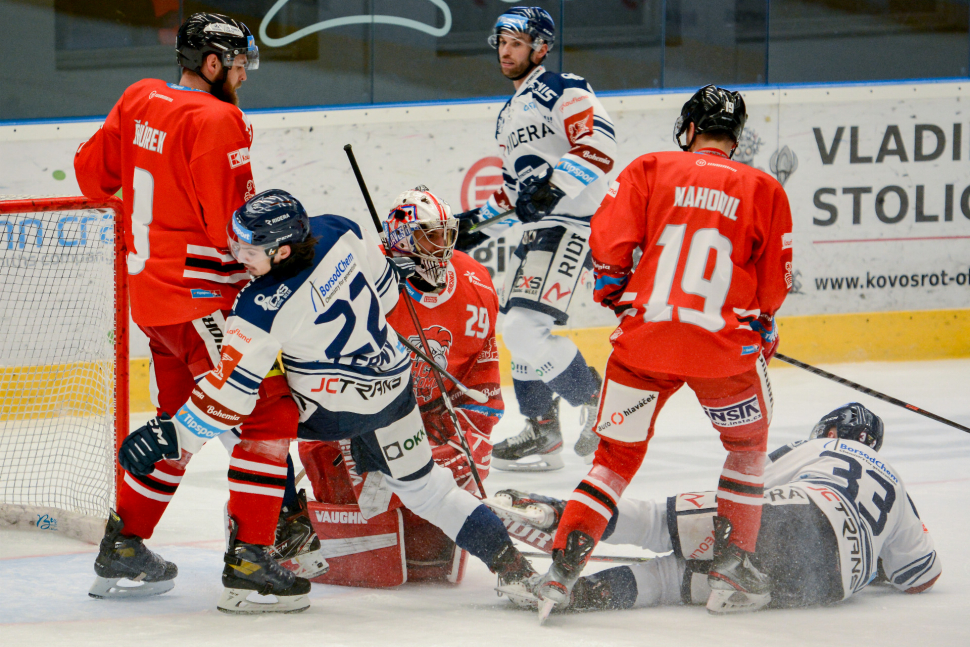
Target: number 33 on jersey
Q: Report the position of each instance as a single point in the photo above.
(716, 241)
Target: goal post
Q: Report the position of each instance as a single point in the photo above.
(63, 362)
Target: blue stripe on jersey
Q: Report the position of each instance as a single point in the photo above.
(303, 367)
(604, 125)
(578, 171)
(486, 411)
(384, 281)
(244, 381)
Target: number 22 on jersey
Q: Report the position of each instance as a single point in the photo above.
(713, 290)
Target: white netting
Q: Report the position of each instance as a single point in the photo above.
(57, 295)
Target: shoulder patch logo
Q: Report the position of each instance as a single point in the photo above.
(273, 302)
(239, 157)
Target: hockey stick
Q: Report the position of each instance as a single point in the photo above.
(426, 356)
(868, 391)
(596, 558)
(474, 394)
(491, 221)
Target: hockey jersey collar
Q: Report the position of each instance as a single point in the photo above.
(712, 151)
(435, 300)
(527, 84)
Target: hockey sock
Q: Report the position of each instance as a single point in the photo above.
(289, 494)
(576, 384)
(256, 485)
(143, 499)
(740, 493)
(592, 505)
(483, 534)
(534, 397)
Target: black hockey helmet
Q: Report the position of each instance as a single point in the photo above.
(211, 33)
(268, 220)
(852, 422)
(711, 110)
(534, 21)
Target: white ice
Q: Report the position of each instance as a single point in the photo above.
(44, 578)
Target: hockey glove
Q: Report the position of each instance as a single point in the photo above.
(537, 198)
(438, 422)
(765, 326)
(149, 444)
(469, 239)
(403, 267)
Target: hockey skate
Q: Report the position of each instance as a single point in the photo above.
(535, 449)
(555, 587)
(533, 510)
(588, 441)
(297, 547)
(736, 584)
(251, 570)
(126, 569)
(516, 577)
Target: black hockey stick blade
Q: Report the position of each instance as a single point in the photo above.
(868, 391)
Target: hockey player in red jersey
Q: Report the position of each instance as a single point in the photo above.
(698, 310)
(180, 155)
(457, 307)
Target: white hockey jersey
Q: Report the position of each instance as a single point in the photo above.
(865, 500)
(554, 121)
(339, 353)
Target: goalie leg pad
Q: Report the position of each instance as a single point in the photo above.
(360, 552)
(431, 556)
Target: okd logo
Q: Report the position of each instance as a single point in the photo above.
(735, 415)
(396, 450)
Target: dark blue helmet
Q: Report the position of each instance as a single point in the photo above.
(712, 110)
(852, 422)
(268, 220)
(534, 21)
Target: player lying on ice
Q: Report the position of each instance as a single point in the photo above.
(457, 307)
(836, 518)
(319, 294)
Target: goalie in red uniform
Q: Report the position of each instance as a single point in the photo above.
(457, 306)
(698, 310)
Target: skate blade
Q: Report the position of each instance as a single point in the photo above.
(530, 515)
(724, 601)
(545, 608)
(519, 595)
(540, 463)
(119, 588)
(308, 565)
(248, 602)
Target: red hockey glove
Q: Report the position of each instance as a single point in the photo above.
(610, 283)
(765, 326)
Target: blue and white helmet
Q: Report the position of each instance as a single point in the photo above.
(533, 21)
(268, 220)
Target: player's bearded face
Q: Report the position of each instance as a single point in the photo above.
(231, 80)
(514, 51)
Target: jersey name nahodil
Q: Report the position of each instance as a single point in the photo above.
(181, 159)
(338, 350)
(864, 499)
(716, 237)
(554, 121)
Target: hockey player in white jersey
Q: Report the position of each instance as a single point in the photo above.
(837, 517)
(319, 294)
(558, 146)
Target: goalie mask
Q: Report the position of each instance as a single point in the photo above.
(852, 422)
(420, 225)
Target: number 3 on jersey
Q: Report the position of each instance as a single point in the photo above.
(477, 324)
(141, 217)
(714, 290)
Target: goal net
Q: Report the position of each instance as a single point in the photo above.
(63, 362)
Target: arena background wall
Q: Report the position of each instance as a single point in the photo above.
(878, 176)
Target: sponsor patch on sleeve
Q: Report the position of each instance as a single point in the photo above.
(614, 189)
(239, 157)
(206, 294)
(227, 364)
(786, 241)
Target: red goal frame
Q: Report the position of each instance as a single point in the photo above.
(70, 203)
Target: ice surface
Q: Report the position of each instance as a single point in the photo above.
(44, 578)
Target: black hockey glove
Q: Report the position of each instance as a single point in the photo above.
(469, 239)
(403, 267)
(537, 198)
(149, 444)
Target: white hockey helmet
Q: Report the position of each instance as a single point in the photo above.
(421, 225)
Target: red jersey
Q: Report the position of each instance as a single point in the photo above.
(716, 241)
(460, 326)
(181, 158)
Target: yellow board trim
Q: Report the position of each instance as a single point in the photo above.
(816, 339)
